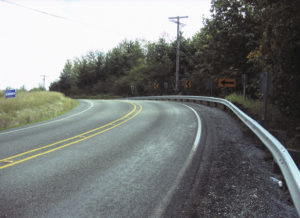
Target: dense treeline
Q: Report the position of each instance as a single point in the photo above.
(241, 37)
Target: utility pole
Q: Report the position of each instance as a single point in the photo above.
(178, 49)
(44, 81)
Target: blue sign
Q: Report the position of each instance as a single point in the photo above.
(11, 93)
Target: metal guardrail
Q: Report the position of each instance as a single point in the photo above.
(281, 156)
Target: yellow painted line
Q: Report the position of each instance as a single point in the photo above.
(6, 161)
(76, 136)
(71, 143)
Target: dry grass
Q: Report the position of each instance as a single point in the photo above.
(29, 107)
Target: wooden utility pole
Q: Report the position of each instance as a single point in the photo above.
(44, 81)
(178, 49)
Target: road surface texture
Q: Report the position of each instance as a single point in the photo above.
(110, 158)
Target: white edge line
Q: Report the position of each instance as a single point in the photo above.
(43, 124)
(160, 209)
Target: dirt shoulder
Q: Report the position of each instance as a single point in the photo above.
(235, 180)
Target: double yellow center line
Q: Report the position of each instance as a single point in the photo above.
(19, 158)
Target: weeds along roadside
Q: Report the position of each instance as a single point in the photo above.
(30, 107)
(285, 129)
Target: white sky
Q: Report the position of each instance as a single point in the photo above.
(34, 44)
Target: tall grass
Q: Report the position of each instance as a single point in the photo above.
(29, 107)
(285, 129)
(255, 107)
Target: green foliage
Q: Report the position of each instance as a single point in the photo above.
(241, 37)
(255, 106)
(281, 51)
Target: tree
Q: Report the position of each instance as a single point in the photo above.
(242, 36)
(118, 64)
(160, 60)
(67, 80)
(279, 50)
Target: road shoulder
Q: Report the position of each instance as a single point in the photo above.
(229, 177)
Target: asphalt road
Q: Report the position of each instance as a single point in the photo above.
(104, 159)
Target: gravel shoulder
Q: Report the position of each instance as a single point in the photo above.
(231, 176)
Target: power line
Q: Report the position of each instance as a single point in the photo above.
(36, 10)
(94, 26)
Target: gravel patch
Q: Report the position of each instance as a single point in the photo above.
(236, 181)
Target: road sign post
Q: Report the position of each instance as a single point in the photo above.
(244, 78)
(266, 86)
(166, 86)
(132, 88)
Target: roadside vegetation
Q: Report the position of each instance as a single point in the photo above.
(254, 107)
(242, 37)
(33, 106)
(284, 128)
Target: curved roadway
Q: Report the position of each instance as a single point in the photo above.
(104, 159)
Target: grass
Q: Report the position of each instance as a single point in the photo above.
(282, 127)
(255, 107)
(30, 107)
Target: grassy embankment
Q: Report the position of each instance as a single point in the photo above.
(30, 107)
(286, 129)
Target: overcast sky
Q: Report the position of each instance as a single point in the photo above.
(38, 36)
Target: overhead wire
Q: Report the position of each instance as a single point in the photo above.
(94, 26)
(77, 21)
(36, 10)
